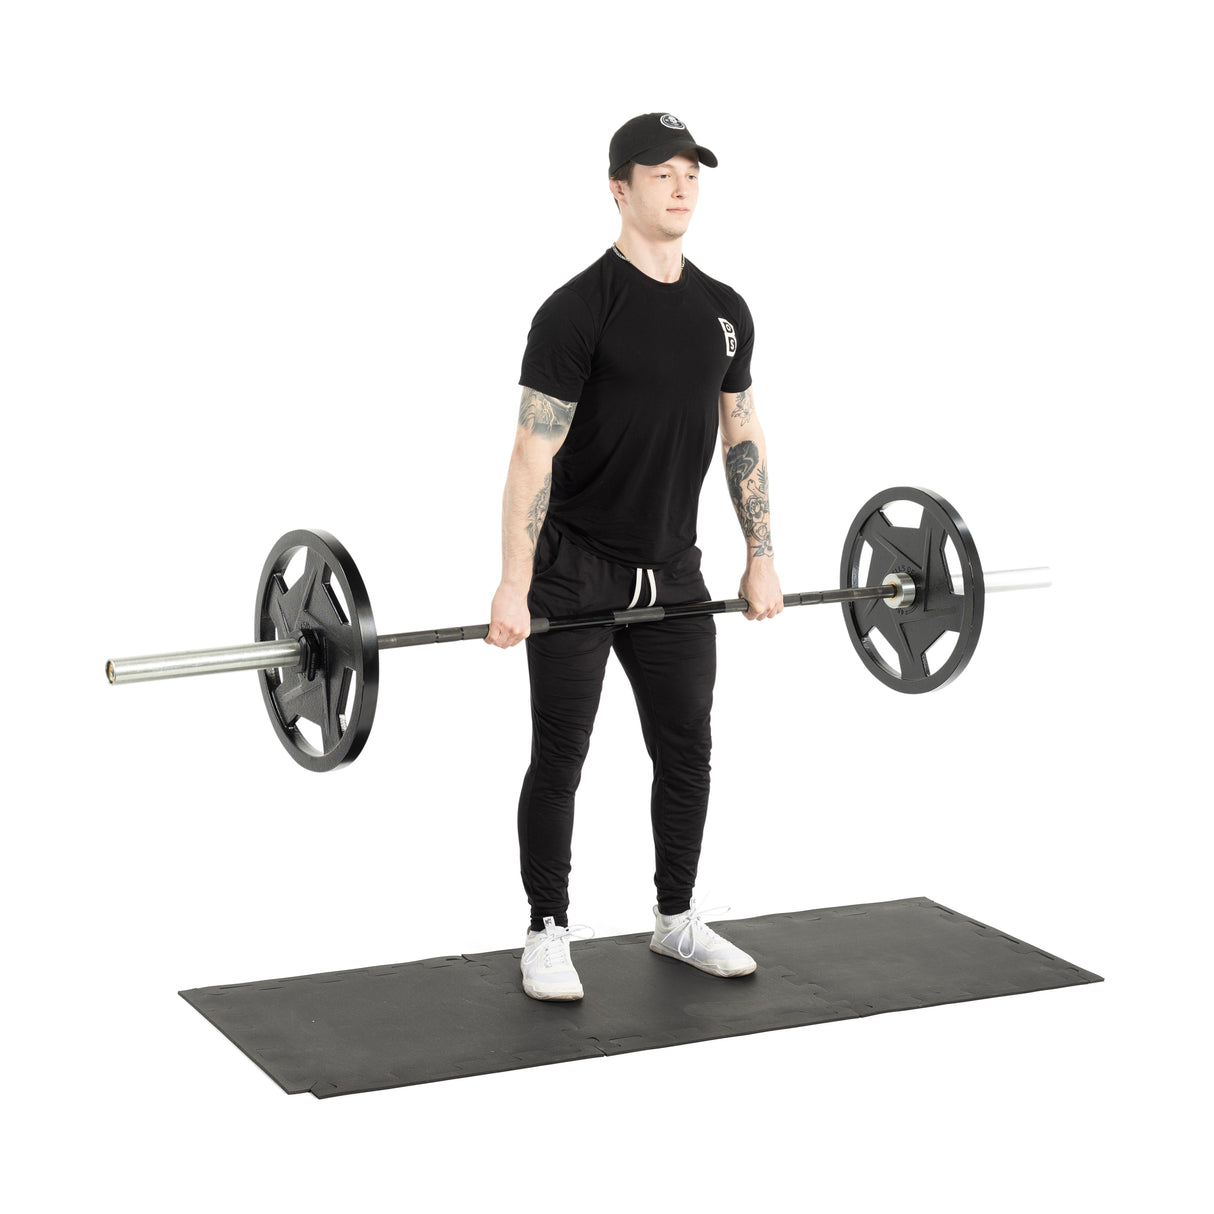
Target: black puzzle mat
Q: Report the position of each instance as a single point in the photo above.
(388, 1026)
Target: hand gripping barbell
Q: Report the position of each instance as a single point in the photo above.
(317, 655)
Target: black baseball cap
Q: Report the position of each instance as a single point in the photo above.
(653, 139)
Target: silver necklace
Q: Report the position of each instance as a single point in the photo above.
(619, 253)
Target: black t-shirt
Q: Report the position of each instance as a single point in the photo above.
(646, 362)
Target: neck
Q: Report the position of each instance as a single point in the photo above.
(661, 259)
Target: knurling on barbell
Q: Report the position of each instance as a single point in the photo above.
(316, 652)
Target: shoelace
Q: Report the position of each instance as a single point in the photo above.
(555, 944)
(695, 930)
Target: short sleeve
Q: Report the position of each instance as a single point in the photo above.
(738, 375)
(560, 346)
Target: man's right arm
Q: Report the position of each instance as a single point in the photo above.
(543, 423)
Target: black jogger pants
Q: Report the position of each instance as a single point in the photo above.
(672, 668)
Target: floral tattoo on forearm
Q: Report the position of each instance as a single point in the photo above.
(741, 408)
(749, 494)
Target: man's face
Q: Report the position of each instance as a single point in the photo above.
(663, 196)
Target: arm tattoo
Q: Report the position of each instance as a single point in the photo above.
(543, 414)
(538, 511)
(742, 408)
(752, 510)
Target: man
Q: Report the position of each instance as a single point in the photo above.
(627, 370)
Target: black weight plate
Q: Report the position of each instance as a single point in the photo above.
(349, 644)
(920, 552)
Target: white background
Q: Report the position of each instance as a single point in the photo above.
(273, 266)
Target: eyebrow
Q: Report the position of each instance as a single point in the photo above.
(671, 166)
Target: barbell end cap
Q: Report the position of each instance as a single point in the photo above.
(109, 672)
(905, 585)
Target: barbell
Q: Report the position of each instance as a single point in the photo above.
(316, 651)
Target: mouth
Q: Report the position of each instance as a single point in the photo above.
(678, 210)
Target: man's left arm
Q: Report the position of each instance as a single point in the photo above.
(745, 453)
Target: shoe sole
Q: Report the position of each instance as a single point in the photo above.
(552, 996)
(707, 967)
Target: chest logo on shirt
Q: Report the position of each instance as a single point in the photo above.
(731, 338)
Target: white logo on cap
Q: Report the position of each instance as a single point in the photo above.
(671, 121)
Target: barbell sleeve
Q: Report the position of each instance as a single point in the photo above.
(995, 580)
(259, 655)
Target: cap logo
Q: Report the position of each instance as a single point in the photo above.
(671, 121)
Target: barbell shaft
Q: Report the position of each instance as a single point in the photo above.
(267, 655)
(635, 615)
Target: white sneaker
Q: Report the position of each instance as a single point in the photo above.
(548, 972)
(690, 939)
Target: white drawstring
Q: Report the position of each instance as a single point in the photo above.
(636, 594)
(653, 589)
